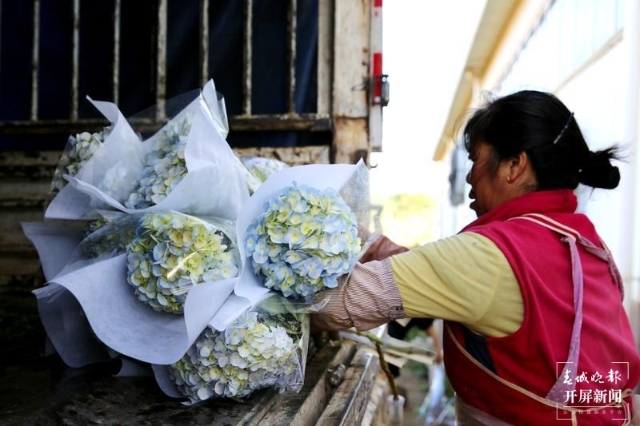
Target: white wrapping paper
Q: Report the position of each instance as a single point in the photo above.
(54, 242)
(121, 148)
(214, 184)
(125, 324)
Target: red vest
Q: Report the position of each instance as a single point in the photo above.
(529, 362)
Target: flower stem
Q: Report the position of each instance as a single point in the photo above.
(387, 372)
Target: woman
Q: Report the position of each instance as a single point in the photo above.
(535, 327)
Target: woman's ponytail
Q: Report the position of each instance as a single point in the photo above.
(598, 172)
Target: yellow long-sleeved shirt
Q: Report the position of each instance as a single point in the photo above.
(463, 278)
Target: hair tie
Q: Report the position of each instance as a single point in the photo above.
(555, 141)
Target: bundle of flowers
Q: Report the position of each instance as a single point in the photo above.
(164, 165)
(260, 168)
(186, 166)
(79, 149)
(259, 349)
(303, 241)
(171, 252)
(102, 160)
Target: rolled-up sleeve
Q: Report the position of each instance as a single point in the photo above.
(367, 298)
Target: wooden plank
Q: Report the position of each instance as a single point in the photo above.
(374, 413)
(351, 58)
(306, 407)
(349, 404)
(12, 239)
(24, 194)
(350, 140)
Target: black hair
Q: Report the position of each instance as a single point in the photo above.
(540, 125)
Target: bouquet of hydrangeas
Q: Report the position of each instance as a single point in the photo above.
(166, 254)
(304, 241)
(172, 252)
(79, 149)
(264, 347)
(299, 232)
(159, 259)
(86, 157)
(185, 166)
(164, 165)
(262, 167)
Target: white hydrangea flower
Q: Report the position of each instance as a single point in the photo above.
(258, 350)
(304, 241)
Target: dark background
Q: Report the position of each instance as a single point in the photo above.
(138, 62)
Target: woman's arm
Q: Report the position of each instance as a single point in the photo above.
(463, 278)
(365, 299)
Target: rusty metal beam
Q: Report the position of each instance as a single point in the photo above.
(292, 23)
(75, 61)
(350, 107)
(35, 60)
(325, 43)
(292, 155)
(204, 42)
(281, 122)
(115, 70)
(161, 58)
(247, 53)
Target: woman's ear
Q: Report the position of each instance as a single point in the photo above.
(518, 168)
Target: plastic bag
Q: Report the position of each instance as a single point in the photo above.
(78, 150)
(165, 254)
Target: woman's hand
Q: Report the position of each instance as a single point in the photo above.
(382, 248)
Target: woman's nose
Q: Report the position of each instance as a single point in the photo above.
(468, 177)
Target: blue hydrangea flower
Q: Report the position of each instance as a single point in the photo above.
(303, 241)
(164, 165)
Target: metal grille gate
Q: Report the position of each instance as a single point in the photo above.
(244, 120)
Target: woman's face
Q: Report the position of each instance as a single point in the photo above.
(488, 189)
